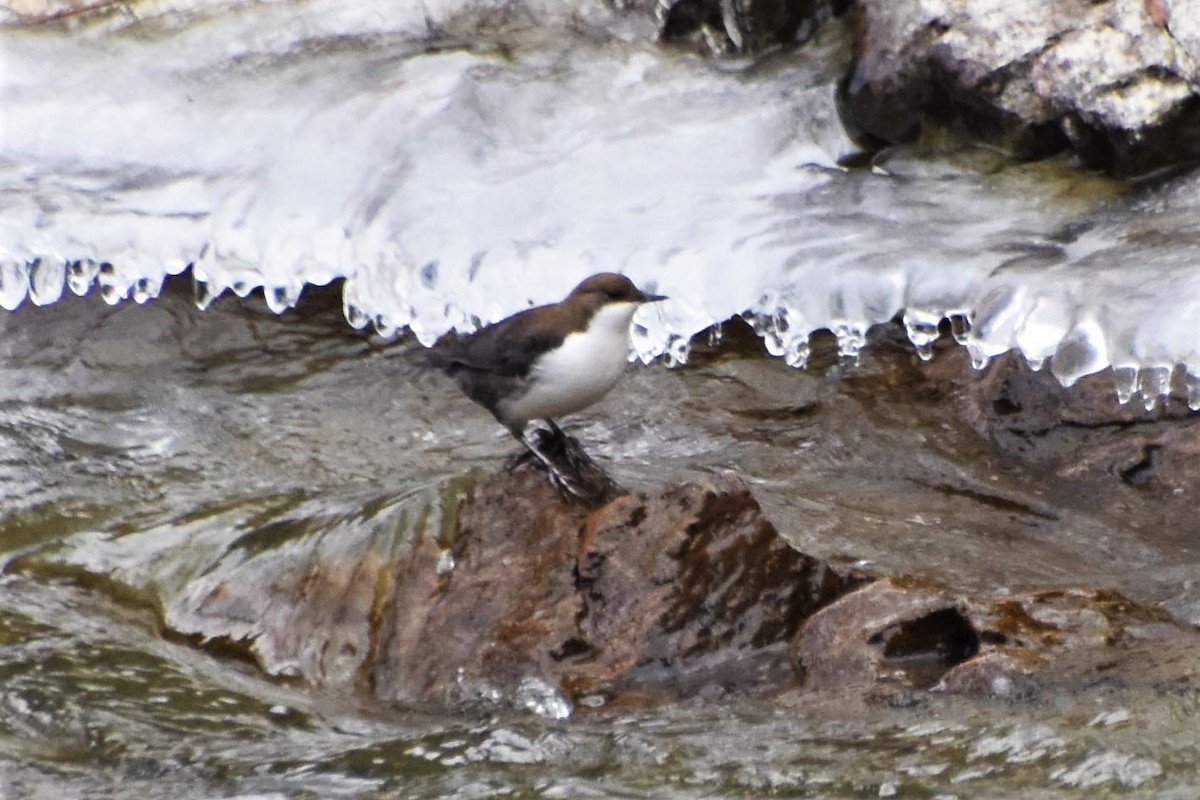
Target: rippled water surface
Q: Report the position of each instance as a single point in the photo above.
(146, 444)
(94, 706)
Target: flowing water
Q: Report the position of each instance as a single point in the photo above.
(434, 171)
(147, 445)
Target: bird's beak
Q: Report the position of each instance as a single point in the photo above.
(653, 298)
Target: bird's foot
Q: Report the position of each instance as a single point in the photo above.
(570, 469)
(568, 485)
(544, 446)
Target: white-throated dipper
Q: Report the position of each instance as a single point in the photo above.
(548, 361)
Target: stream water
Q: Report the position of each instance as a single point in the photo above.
(433, 170)
(145, 445)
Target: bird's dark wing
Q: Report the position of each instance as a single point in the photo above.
(507, 348)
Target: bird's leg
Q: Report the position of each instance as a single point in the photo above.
(547, 444)
(571, 451)
(561, 480)
(564, 446)
(571, 471)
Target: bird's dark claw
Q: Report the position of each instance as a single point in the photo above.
(570, 469)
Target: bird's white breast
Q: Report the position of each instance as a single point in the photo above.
(581, 371)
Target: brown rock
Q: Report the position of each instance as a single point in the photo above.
(887, 633)
(666, 593)
(896, 635)
(1073, 638)
(992, 674)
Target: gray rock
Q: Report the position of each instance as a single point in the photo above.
(1115, 81)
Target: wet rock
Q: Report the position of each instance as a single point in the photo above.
(992, 674)
(896, 635)
(744, 26)
(669, 593)
(1073, 638)
(526, 598)
(1082, 431)
(1115, 81)
(888, 634)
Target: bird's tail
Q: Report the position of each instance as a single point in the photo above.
(443, 356)
(408, 358)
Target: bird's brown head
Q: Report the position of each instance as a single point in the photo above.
(609, 287)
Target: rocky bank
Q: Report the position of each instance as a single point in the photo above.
(691, 588)
(689, 591)
(1114, 82)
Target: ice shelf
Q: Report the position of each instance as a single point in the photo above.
(276, 146)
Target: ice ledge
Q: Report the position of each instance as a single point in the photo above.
(1150, 359)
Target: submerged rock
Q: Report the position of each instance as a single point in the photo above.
(1082, 432)
(1115, 81)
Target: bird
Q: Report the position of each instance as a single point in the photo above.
(548, 361)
